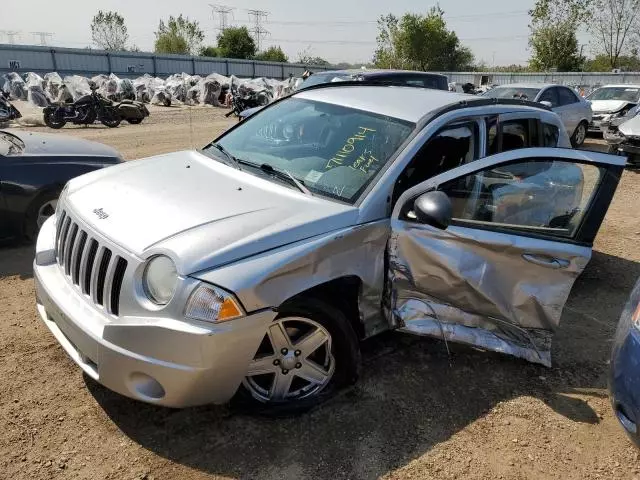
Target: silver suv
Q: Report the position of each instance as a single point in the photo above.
(253, 267)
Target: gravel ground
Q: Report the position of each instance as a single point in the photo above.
(416, 413)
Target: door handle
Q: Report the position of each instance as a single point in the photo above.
(548, 262)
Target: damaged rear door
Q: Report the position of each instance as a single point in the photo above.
(521, 226)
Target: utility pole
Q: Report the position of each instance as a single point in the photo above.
(43, 37)
(222, 11)
(11, 35)
(259, 32)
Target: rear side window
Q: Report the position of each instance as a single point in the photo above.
(515, 134)
(550, 135)
(566, 96)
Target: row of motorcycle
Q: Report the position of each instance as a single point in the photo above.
(84, 111)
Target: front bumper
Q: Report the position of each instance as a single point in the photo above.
(163, 361)
(624, 383)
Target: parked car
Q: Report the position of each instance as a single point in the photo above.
(612, 102)
(624, 378)
(34, 168)
(574, 111)
(406, 78)
(622, 134)
(253, 267)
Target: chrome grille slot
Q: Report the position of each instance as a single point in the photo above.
(90, 266)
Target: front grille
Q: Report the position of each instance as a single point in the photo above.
(92, 267)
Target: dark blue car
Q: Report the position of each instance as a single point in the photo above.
(624, 381)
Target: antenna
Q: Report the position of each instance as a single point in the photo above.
(11, 35)
(259, 32)
(43, 37)
(223, 12)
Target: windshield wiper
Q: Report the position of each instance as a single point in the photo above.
(284, 175)
(225, 152)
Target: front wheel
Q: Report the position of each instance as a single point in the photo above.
(579, 135)
(307, 354)
(39, 212)
(110, 118)
(52, 120)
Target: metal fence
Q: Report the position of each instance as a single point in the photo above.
(87, 62)
(586, 79)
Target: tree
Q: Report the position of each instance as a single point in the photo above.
(305, 57)
(235, 42)
(178, 35)
(615, 25)
(108, 31)
(420, 42)
(553, 34)
(209, 52)
(602, 63)
(272, 54)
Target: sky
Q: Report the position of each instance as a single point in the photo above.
(339, 31)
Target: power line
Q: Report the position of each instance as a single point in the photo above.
(43, 37)
(259, 32)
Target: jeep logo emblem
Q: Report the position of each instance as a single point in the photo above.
(100, 213)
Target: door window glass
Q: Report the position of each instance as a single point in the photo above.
(547, 197)
(550, 135)
(550, 95)
(566, 96)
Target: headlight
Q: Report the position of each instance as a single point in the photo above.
(212, 304)
(160, 280)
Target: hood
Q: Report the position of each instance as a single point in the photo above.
(199, 211)
(631, 128)
(608, 106)
(58, 144)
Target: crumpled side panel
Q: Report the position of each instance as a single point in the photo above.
(473, 286)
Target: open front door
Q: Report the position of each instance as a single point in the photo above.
(522, 225)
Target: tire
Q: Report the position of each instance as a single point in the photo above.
(110, 118)
(51, 122)
(134, 121)
(341, 362)
(580, 134)
(40, 209)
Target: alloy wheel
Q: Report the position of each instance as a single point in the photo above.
(581, 134)
(293, 362)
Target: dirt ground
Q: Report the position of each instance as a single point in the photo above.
(416, 413)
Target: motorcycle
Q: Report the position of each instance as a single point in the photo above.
(243, 99)
(7, 111)
(85, 111)
(622, 134)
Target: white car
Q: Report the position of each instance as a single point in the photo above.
(611, 102)
(574, 111)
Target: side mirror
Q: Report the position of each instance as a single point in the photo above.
(546, 103)
(433, 208)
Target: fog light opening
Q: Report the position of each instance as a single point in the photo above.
(146, 386)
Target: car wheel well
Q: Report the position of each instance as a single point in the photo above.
(342, 293)
(30, 211)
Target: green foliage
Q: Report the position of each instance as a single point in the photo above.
(109, 31)
(179, 35)
(420, 42)
(272, 54)
(209, 52)
(306, 58)
(235, 42)
(553, 37)
(602, 63)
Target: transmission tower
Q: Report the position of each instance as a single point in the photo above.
(11, 35)
(43, 37)
(258, 30)
(222, 12)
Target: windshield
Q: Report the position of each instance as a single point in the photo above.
(10, 144)
(513, 92)
(320, 78)
(332, 150)
(628, 94)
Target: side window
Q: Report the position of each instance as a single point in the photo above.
(566, 96)
(546, 197)
(550, 95)
(550, 135)
(453, 146)
(515, 134)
